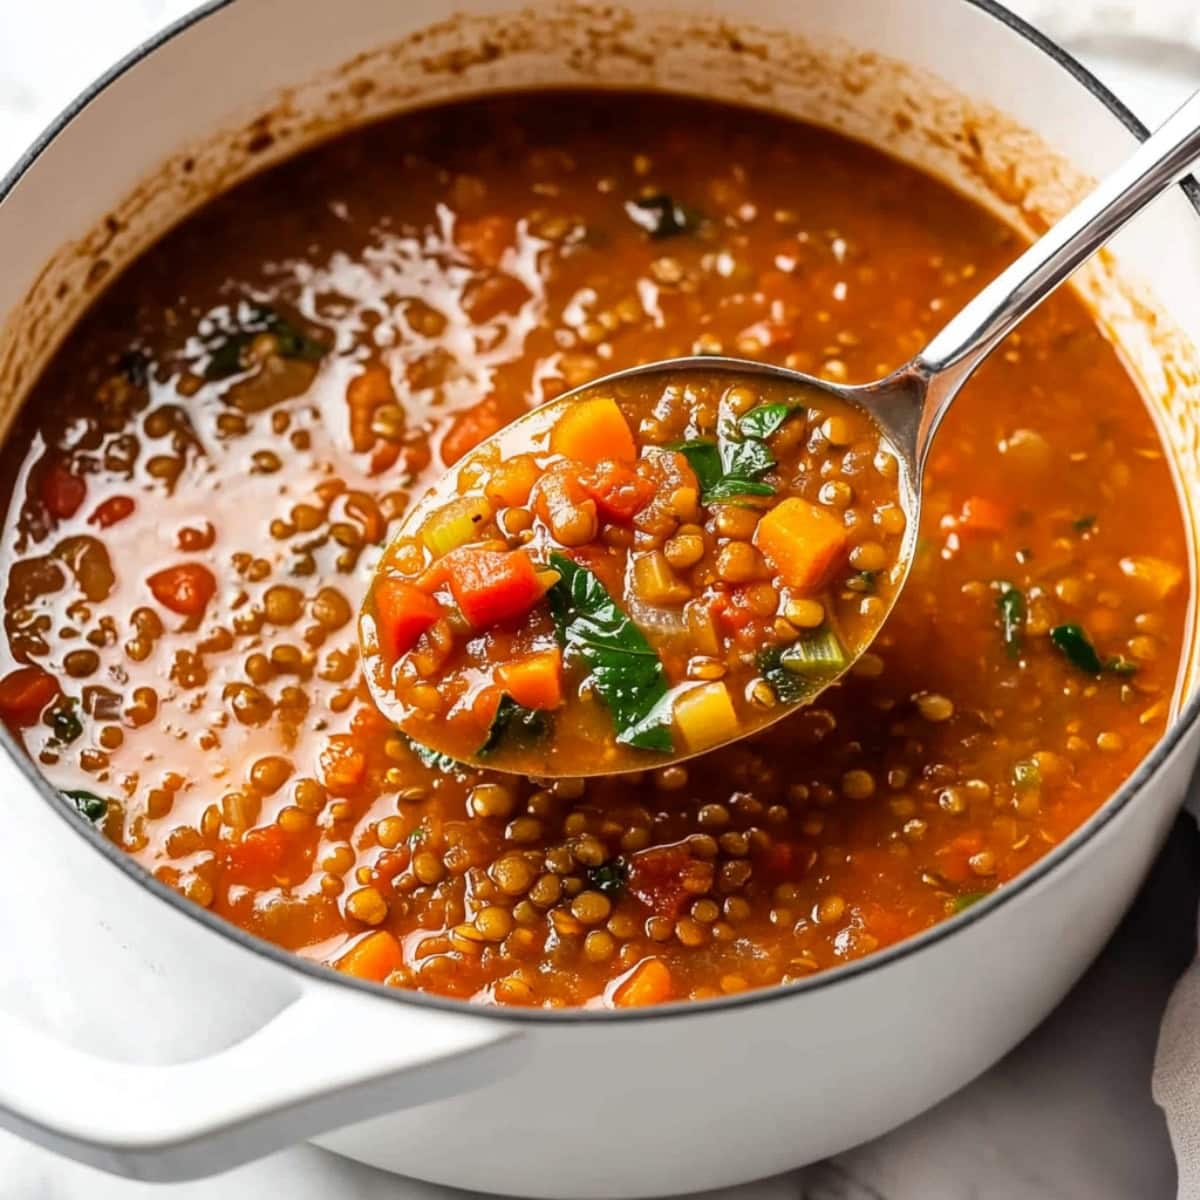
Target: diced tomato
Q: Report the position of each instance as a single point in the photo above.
(343, 764)
(471, 427)
(784, 861)
(731, 609)
(981, 515)
(257, 860)
(185, 589)
(491, 586)
(619, 491)
(24, 694)
(402, 613)
(62, 492)
(648, 983)
(112, 510)
(665, 877)
(485, 239)
(534, 681)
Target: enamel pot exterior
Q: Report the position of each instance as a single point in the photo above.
(561, 1105)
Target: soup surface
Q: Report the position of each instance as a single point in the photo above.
(204, 480)
(576, 598)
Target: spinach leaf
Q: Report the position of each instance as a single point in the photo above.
(863, 581)
(707, 460)
(963, 902)
(88, 805)
(1079, 651)
(1011, 605)
(1083, 524)
(745, 459)
(764, 420)
(789, 686)
(661, 216)
(227, 349)
(625, 670)
(65, 723)
(608, 878)
(435, 760)
(514, 723)
(417, 836)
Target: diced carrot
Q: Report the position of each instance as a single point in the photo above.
(343, 764)
(485, 239)
(24, 693)
(801, 541)
(1158, 576)
(365, 393)
(981, 515)
(619, 491)
(534, 681)
(512, 481)
(491, 586)
(112, 510)
(470, 428)
(258, 858)
(402, 613)
(374, 957)
(648, 983)
(185, 589)
(590, 431)
(62, 492)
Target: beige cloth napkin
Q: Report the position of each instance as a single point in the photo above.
(1177, 1078)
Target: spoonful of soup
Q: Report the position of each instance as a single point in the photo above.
(676, 555)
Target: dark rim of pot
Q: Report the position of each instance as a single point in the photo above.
(910, 947)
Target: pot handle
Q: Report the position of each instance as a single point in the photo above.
(333, 1055)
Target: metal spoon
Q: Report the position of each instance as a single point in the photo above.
(908, 405)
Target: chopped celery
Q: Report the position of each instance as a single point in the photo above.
(455, 524)
(819, 654)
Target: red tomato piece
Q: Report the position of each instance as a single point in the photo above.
(62, 492)
(664, 878)
(185, 589)
(470, 428)
(24, 693)
(619, 491)
(257, 860)
(112, 510)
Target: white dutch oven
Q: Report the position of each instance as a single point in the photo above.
(584, 1104)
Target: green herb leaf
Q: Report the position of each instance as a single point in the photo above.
(65, 723)
(1120, 665)
(514, 724)
(730, 488)
(765, 419)
(435, 760)
(417, 836)
(608, 878)
(661, 216)
(963, 902)
(1011, 606)
(1079, 651)
(623, 667)
(88, 805)
(1083, 524)
(863, 581)
(707, 461)
(226, 350)
(745, 460)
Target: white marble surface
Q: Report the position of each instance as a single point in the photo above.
(1068, 1115)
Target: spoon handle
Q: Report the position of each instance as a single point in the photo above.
(971, 335)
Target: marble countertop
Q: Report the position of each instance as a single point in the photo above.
(1068, 1115)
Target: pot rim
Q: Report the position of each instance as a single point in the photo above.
(832, 977)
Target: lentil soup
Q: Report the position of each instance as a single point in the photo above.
(205, 477)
